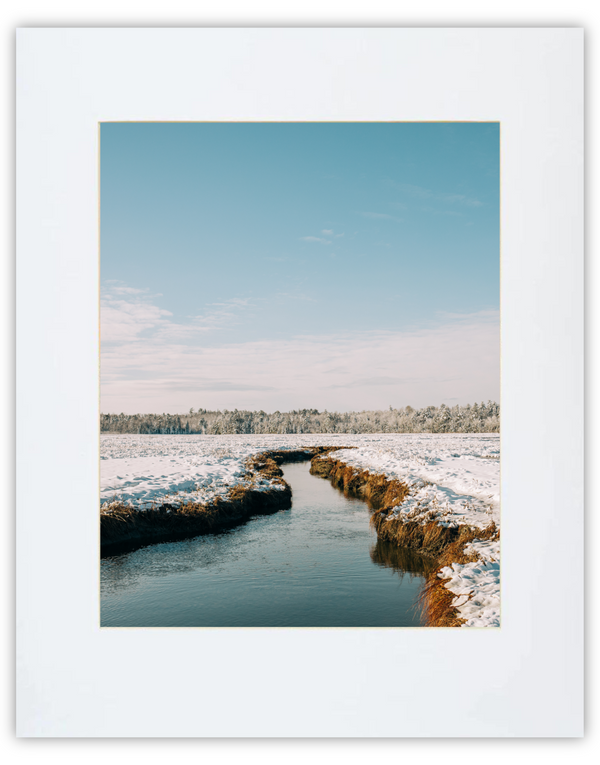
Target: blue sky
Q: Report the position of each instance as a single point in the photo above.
(236, 258)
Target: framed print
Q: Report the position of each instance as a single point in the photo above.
(253, 259)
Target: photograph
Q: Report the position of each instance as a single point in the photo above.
(299, 374)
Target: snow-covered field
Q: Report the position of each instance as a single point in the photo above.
(143, 471)
(454, 479)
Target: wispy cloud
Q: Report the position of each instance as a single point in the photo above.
(314, 239)
(128, 314)
(120, 288)
(222, 314)
(154, 364)
(379, 216)
(327, 231)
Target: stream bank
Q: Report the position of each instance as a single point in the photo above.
(263, 491)
(448, 544)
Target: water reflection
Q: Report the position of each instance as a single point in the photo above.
(165, 559)
(402, 559)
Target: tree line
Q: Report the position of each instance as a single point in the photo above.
(471, 418)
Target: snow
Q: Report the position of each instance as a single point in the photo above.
(453, 479)
(477, 585)
(142, 481)
(147, 470)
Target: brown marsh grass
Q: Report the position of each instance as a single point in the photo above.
(443, 543)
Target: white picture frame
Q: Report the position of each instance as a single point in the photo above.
(523, 680)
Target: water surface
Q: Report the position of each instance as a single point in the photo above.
(318, 564)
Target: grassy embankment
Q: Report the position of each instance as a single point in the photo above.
(124, 527)
(445, 545)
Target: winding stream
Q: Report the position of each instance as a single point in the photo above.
(316, 565)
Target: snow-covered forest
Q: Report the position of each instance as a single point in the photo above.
(472, 418)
